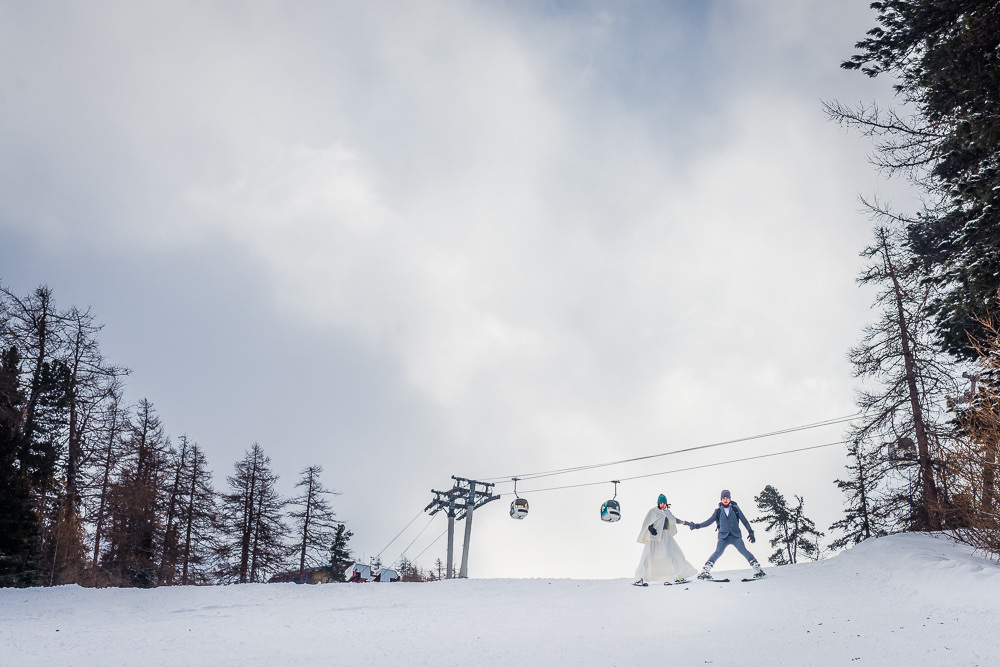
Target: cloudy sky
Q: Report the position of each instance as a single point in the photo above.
(411, 240)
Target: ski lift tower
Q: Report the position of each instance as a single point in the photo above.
(459, 502)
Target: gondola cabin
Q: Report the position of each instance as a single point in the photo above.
(611, 511)
(519, 508)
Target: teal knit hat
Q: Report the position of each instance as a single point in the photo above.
(661, 499)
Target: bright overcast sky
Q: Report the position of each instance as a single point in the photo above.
(412, 240)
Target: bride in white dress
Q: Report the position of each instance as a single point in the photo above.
(662, 558)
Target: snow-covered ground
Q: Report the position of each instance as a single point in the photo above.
(900, 600)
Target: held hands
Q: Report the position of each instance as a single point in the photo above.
(652, 531)
(691, 526)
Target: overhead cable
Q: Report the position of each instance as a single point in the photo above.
(399, 533)
(563, 471)
(668, 472)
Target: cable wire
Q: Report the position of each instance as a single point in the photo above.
(668, 472)
(564, 471)
(430, 545)
(403, 553)
(400, 533)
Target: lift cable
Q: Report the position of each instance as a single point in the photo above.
(563, 471)
(443, 533)
(399, 533)
(668, 472)
(403, 553)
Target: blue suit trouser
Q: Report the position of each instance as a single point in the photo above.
(737, 542)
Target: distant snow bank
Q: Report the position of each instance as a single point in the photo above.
(935, 563)
(904, 599)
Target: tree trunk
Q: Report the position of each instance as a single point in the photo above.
(931, 502)
(190, 516)
(305, 529)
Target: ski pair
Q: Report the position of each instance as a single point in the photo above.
(722, 581)
(640, 582)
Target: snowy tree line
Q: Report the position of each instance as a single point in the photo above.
(93, 491)
(923, 455)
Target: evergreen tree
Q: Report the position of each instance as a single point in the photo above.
(19, 529)
(64, 381)
(864, 516)
(945, 58)
(315, 520)
(340, 554)
(792, 529)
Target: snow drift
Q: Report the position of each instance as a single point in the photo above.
(905, 599)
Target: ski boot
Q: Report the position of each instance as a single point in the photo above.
(758, 572)
(706, 572)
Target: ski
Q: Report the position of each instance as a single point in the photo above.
(714, 581)
(677, 583)
(639, 583)
(751, 578)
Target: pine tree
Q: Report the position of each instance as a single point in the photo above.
(792, 529)
(945, 59)
(340, 554)
(32, 326)
(315, 520)
(19, 529)
(864, 516)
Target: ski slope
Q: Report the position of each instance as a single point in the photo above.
(904, 599)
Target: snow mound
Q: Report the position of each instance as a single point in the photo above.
(905, 599)
(934, 563)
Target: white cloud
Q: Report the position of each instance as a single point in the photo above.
(573, 235)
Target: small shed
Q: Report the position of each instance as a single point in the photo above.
(386, 575)
(358, 573)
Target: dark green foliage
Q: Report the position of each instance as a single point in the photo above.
(865, 514)
(30, 421)
(340, 553)
(946, 55)
(792, 529)
(19, 530)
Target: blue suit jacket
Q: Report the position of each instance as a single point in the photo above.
(728, 525)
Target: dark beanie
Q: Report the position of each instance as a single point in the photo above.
(725, 494)
(661, 499)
